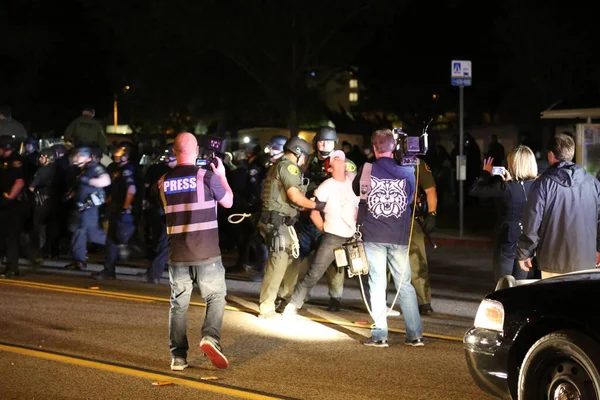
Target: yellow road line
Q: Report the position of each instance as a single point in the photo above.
(221, 389)
(135, 297)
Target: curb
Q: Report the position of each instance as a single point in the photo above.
(459, 242)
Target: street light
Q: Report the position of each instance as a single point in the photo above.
(116, 109)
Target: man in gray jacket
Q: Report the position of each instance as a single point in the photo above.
(561, 218)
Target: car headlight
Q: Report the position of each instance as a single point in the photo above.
(490, 315)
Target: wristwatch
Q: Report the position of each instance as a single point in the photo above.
(433, 213)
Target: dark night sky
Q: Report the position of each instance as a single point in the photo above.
(58, 57)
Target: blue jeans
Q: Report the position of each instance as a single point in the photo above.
(396, 256)
(210, 278)
(89, 230)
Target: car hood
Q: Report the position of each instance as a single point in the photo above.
(572, 297)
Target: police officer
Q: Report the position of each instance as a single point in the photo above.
(426, 213)
(44, 189)
(154, 215)
(13, 210)
(308, 234)
(85, 131)
(120, 220)
(66, 175)
(247, 237)
(88, 196)
(31, 157)
(283, 196)
(274, 149)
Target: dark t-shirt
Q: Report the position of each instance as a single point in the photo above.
(122, 178)
(44, 179)
(388, 215)
(11, 169)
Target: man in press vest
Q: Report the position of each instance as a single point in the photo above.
(190, 195)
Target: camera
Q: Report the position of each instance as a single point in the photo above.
(209, 145)
(409, 147)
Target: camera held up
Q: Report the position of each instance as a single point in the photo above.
(210, 146)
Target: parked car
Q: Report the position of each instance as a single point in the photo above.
(538, 339)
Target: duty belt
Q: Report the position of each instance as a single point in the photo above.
(272, 217)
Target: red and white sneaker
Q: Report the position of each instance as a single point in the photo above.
(213, 350)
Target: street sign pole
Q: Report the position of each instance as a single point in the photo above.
(461, 75)
(461, 138)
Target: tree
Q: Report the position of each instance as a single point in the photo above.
(276, 43)
(548, 55)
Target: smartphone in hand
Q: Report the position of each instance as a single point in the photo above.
(498, 171)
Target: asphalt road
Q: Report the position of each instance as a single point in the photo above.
(66, 336)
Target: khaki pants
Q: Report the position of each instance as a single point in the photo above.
(275, 270)
(418, 266)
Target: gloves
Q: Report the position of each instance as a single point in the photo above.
(429, 224)
(320, 205)
(84, 179)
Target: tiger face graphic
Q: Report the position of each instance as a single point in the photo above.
(387, 198)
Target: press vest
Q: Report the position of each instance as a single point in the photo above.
(190, 205)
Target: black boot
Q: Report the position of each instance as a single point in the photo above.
(335, 305)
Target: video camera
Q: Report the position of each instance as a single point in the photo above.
(209, 145)
(409, 147)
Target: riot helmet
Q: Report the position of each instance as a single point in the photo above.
(59, 150)
(277, 142)
(325, 134)
(31, 145)
(6, 142)
(122, 154)
(252, 149)
(297, 146)
(167, 154)
(81, 156)
(49, 153)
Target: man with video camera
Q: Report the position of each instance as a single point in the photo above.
(385, 226)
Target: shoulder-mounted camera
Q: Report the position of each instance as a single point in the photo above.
(409, 147)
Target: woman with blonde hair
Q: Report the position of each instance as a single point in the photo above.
(509, 187)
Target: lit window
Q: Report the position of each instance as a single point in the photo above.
(353, 83)
(353, 97)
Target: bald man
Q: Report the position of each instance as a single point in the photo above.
(190, 195)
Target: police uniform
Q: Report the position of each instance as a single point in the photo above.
(418, 256)
(120, 221)
(86, 131)
(155, 223)
(276, 226)
(249, 240)
(86, 227)
(45, 220)
(12, 211)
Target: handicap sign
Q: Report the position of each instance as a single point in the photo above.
(460, 73)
